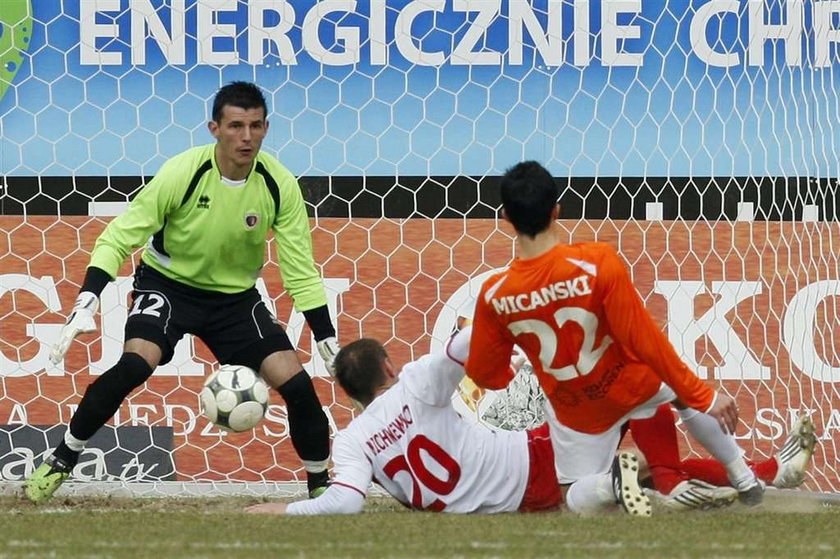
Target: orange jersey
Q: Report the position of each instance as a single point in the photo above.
(594, 346)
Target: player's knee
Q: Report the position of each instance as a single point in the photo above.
(151, 352)
(129, 372)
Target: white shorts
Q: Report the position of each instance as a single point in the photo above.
(578, 455)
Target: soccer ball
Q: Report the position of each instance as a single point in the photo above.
(234, 398)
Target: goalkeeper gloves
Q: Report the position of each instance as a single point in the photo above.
(328, 348)
(80, 321)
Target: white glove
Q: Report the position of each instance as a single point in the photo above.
(328, 348)
(80, 321)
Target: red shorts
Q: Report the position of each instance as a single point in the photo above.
(543, 491)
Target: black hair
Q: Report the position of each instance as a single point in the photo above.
(359, 369)
(244, 95)
(529, 195)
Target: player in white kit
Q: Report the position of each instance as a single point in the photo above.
(411, 441)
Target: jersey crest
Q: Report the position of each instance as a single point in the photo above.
(251, 220)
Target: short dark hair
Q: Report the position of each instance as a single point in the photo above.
(359, 369)
(529, 194)
(244, 95)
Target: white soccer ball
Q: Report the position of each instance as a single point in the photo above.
(234, 398)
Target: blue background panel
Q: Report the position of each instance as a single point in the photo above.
(673, 115)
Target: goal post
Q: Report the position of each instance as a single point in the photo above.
(699, 137)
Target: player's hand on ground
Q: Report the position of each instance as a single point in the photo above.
(725, 410)
(267, 508)
(80, 321)
(328, 348)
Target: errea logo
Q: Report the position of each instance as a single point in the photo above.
(203, 202)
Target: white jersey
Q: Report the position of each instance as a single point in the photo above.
(411, 441)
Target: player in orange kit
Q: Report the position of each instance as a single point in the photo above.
(599, 356)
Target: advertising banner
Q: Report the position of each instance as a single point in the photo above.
(428, 87)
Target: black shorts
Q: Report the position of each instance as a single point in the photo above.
(238, 328)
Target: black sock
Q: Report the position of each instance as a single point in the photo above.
(316, 479)
(308, 425)
(103, 396)
(67, 455)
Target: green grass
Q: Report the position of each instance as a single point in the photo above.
(200, 527)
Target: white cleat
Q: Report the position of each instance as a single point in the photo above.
(694, 494)
(795, 455)
(628, 492)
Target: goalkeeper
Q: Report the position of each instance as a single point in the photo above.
(204, 219)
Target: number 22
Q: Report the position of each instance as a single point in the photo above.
(547, 336)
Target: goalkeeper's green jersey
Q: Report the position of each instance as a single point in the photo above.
(207, 232)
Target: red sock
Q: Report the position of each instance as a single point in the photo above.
(765, 471)
(712, 471)
(656, 437)
(706, 469)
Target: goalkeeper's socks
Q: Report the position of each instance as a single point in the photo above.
(66, 455)
(316, 480)
(69, 449)
(308, 425)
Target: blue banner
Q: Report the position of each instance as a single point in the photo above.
(428, 87)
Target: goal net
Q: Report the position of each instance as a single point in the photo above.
(700, 137)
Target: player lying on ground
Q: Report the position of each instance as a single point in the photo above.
(698, 483)
(204, 219)
(411, 441)
(600, 358)
(702, 482)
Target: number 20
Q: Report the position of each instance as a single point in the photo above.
(547, 336)
(415, 468)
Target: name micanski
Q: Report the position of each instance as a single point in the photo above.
(541, 297)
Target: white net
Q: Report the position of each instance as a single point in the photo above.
(700, 137)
